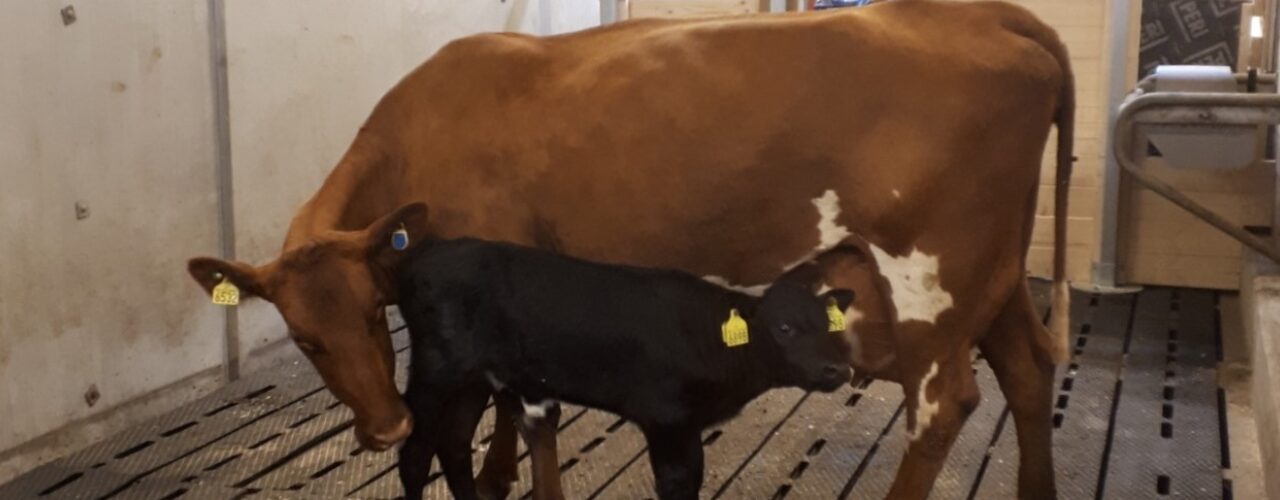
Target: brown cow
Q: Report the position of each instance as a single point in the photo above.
(918, 125)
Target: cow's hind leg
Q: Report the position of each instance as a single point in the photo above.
(1017, 350)
(941, 393)
(499, 472)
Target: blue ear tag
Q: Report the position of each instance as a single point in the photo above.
(400, 239)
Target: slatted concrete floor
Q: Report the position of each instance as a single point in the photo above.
(1138, 414)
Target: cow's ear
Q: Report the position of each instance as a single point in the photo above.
(389, 238)
(210, 272)
(850, 253)
(843, 298)
(805, 275)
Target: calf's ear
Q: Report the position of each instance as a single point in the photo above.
(842, 297)
(210, 272)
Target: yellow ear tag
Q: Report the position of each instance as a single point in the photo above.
(734, 330)
(835, 318)
(226, 294)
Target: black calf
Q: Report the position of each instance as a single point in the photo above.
(665, 350)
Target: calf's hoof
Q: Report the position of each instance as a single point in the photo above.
(494, 488)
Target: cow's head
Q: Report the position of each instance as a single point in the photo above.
(796, 313)
(333, 292)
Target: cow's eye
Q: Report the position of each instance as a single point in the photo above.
(308, 346)
(785, 328)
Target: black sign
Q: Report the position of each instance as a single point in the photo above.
(1204, 32)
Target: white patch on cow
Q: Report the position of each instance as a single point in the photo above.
(925, 410)
(830, 232)
(914, 286)
(754, 291)
(493, 381)
(897, 194)
(824, 289)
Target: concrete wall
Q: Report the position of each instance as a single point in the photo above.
(303, 76)
(116, 110)
(1082, 26)
(113, 111)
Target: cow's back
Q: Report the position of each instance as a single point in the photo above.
(687, 144)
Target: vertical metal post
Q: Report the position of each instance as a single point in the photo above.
(1271, 41)
(222, 166)
(1118, 82)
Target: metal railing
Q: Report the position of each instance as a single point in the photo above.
(1195, 109)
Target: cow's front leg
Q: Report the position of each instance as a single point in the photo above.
(538, 426)
(500, 471)
(675, 454)
(940, 395)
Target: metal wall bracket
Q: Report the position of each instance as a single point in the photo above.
(1194, 109)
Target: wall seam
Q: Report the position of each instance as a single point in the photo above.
(222, 166)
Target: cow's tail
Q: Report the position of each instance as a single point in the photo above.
(1059, 325)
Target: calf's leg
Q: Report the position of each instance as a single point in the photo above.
(500, 471)
(675, 455)
(428, 407)
(415, 462)
(540, 437)
(1017, 349)
(459, 428)
(940, 395)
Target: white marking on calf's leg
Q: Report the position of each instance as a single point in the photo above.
(914, 285)
(925, 410)
(535, 412)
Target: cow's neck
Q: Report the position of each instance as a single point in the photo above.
(360, 189)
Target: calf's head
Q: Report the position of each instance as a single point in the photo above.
(797, 315)
(333, 292)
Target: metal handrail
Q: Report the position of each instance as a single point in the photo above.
(1194, 109)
